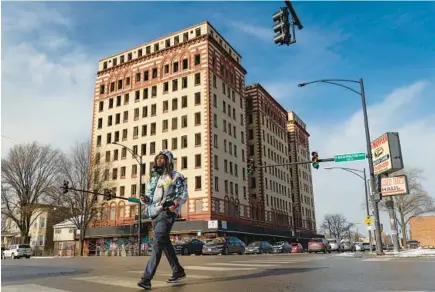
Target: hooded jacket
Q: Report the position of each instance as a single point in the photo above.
(165, 187)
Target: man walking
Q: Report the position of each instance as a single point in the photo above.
(165, 192)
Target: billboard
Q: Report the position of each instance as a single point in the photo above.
(394, 186)
(387, 154)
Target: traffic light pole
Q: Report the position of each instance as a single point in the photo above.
(295, 163)
(66, 188)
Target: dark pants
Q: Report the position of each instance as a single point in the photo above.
(162, 226)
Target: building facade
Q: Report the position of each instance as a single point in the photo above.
(269, 187)
(422, 229)
(301, 182)
(184, 92)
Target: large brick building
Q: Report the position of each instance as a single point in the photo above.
(422, 228)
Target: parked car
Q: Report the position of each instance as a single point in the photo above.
(188, 246)
(357, 246)
(346, 245)
(224, 245)
(334, 244)
(258, 247)
(413, 244)
(365, 246)
(297, 248)
(318, 245)
(17, 251)
(282, 247)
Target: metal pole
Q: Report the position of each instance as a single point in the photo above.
(367, 206)
(378, 237)
(390, 206)
(139, 225)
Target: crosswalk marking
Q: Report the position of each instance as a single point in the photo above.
(268, 262)
(241, 265)
(189, 276)
(378, 260)
(29, 287)
(205, 268)
(119, 281)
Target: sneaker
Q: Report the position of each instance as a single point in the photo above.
(176, 278)
(145, 284)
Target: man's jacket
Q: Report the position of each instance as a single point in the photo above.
(161, 189)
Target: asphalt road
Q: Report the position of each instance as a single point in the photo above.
(247, 273)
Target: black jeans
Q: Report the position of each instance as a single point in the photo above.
(162, 225)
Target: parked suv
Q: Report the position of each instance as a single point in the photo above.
(334, 244)
(319, 245)
(17, 251)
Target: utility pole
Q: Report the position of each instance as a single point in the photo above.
(367, 206)
(394, 234)
(378, 234)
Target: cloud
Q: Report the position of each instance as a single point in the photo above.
(341, 192)
(47, 79)
(260, 32)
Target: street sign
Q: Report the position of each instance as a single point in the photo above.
(368, 220)
(349, 157)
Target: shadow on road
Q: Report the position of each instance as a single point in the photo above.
(20, 273)
(262, 274)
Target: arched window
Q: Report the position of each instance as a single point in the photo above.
(227, 205)
(121, 210)
(112, 214)
(104, 210)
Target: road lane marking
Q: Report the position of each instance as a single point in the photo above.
(378, 260)
(241, 265)
(119, 281)
(269, 262)
(203, 268)
(188, 276)
(30, 287)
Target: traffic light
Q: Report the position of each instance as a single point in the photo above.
(65, 187)
(251, 166)
(108, 194)
(281, 27)
(315, 159)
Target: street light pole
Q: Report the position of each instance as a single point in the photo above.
(139, 225)
(361, 93)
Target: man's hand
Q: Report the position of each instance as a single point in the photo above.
(144, 200)
(174, 206)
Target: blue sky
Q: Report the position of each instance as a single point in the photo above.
(50, 52)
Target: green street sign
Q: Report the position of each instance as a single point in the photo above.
(134, 200)
(349, 157)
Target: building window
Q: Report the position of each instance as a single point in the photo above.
(184, 101)
(197, 98)
(184, 82)
(197, 79)
(198, 139)
(184, 121)
(197, 59)
(184, 162)
(197, 118)
(184, 141)
(197, 160)
(216, 184)
(198, 182)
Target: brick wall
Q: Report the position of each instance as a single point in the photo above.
(423, 229)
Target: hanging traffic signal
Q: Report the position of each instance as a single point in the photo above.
(108, 194)
(251, 166)
(281, 27)
(65, 187)
(315, 159)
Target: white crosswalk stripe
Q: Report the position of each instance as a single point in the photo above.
(243, 265)
(217, 269)
(29, 287)
(378, 260)
(119, 281)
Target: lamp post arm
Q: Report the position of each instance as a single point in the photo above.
(352, 171)
(344, 86)
(135, 156)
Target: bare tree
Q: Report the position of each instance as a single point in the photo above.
(415, 203)
(336, 225)
(29, 174)
(86, 173)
